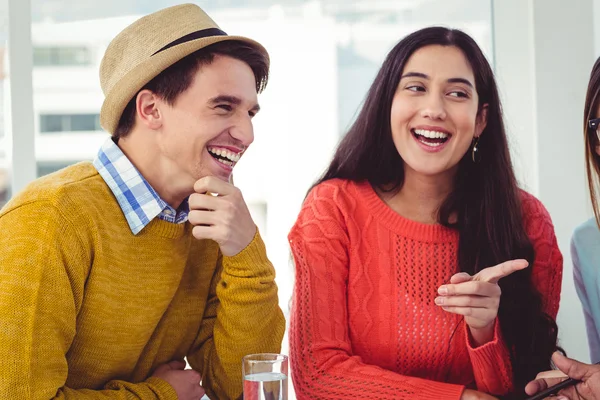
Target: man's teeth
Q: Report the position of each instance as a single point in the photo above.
(431, 134)
(233, 157)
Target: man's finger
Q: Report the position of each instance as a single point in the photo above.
(573, 369)
(497, 272)
(210, 184)
(199, 392)
(538, 385)
(176, 364)
(555, 373)
(161, 368)
(203, 218)
(193, 376)
(206, 232)
(198, 201)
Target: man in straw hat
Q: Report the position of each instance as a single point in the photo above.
(112, 272)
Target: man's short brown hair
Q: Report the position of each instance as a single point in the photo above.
(178, 77)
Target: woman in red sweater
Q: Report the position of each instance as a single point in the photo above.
(422, 270)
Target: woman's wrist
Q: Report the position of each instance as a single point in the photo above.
(481, 336)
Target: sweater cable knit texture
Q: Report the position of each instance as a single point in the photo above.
(364, 323)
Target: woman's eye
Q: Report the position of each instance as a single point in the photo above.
(458, 93)
(415, 88)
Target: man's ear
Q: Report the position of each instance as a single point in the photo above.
(146, 106)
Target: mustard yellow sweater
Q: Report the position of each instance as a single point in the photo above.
(88, 310)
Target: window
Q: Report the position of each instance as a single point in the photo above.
(45, 168)
(61, 56)
(53, 123)
(4, 165)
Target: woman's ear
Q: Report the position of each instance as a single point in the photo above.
(481, 121)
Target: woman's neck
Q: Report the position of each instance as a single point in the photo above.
(421, 196)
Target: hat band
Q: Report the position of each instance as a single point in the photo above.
(193, 36)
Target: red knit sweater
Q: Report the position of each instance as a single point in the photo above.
(364, 323)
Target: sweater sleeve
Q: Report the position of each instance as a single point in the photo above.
(547, 268)
(584, 297)
(242, 317)
(491, 363)
(43, 266)
(322, 361)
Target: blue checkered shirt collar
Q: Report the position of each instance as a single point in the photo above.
(138, 200)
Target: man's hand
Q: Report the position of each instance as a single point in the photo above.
(589, 375)
(218, 212)
(186, 382)
(477, 297)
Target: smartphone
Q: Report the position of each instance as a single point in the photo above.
(552, 390)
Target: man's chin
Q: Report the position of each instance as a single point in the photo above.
(222, 176)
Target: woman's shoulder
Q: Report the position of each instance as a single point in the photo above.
(333, 201)
(340, 193)
(325, 210)
(332, 187)
(585, 231)
(585, 254)
(585, 242)
(536, 220)
(532, 207)
(329, 187)
(535, 214)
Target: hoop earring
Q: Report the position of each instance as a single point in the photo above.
(475, 156)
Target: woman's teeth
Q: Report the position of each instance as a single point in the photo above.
(430, 144)
(431, 138)
(431, 134)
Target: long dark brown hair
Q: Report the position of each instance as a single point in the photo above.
(485, 198)
(592, 159)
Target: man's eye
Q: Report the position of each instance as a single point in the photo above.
(225, 107)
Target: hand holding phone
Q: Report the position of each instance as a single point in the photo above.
(578, 380)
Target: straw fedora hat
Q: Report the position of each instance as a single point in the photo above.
(149, 46)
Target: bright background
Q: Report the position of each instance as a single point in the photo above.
(325, 54)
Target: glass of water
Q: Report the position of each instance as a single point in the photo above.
(265, 376)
